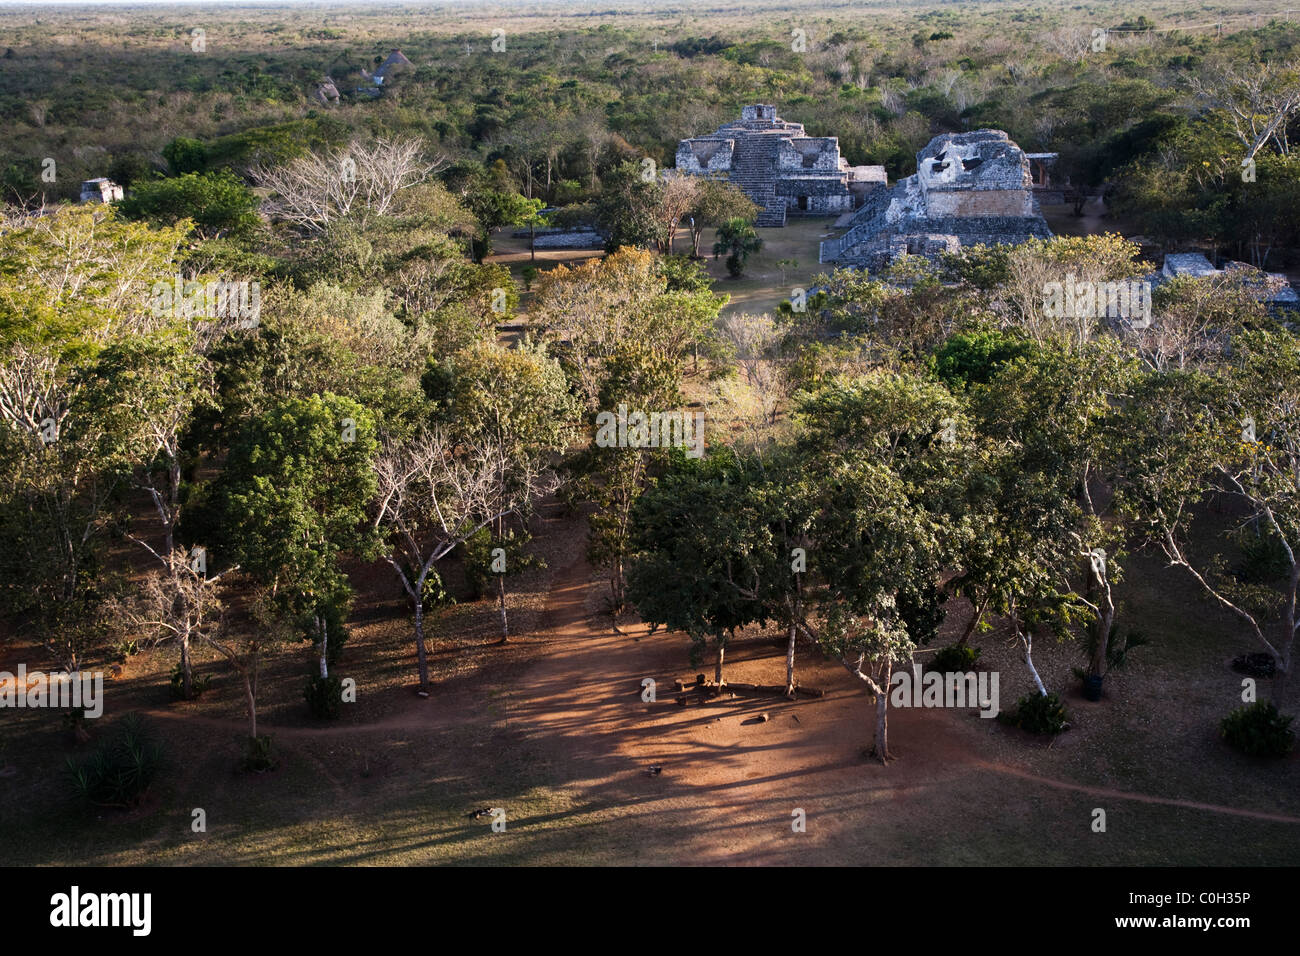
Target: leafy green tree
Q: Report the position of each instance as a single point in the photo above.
(61, 484)
(690, 545)
(713, 549)
(1044, 556)
(885, 459)
(519, 402)
(496, 209)
(149, 386)
(628, 338)
(627, 210)
(217, 203)
(717, 202)
(1233, 433)
(69, 286)
(292, 502)
(972, 358)
(739, 240)
(185, 155)
(72, 280)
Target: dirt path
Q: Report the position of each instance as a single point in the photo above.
(730, 785)
(740, 782)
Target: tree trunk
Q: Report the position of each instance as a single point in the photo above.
(717, 670)
(323, 628)
(1097, 665)
(1103, 624)
(250, 697)
(881, 746)
(974, 621)
(789, 662)
(187, 681)
(501, 591)
(1027, 642)
(421, 657)
(1282, 666)
(1099, 590)
(616, 584)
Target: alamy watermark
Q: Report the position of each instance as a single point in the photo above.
(77, 909)
(639, 429)
(959, 690)
(217, 299)
(1127, 299)
(79, 690)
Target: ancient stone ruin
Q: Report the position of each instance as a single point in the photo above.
(969, 188)
(101, 190)
(784, 171)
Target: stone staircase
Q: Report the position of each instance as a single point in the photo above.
(753, 169)
(868, 222)
(833, 249)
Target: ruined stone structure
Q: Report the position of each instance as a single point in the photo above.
(969, 188)
(778, 166)
(1046, 189)
(1271, 288)
(101, 190)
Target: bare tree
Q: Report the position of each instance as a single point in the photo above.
(30, 391)
(1259, 100)
(1070, 43)
(357, 181)
(177, 603)
(679, 195)
(1194, 321)
(433, 495)
(753, 338)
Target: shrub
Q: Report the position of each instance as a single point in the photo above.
(119, 773)
(955, 659)
(1259, 730)
(476, 552)
(258, 757)
(1038, 714)
(973, 358)
(324, 696)
(1263, 556)
(198, 684)
(74, 722)
(1117, 650)
(1260, 664)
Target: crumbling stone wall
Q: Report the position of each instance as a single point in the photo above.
(780, 168)
(969, 188)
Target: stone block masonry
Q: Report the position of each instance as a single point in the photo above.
(969, 189)
(783, 170)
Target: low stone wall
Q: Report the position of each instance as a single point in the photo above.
(583, 239)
